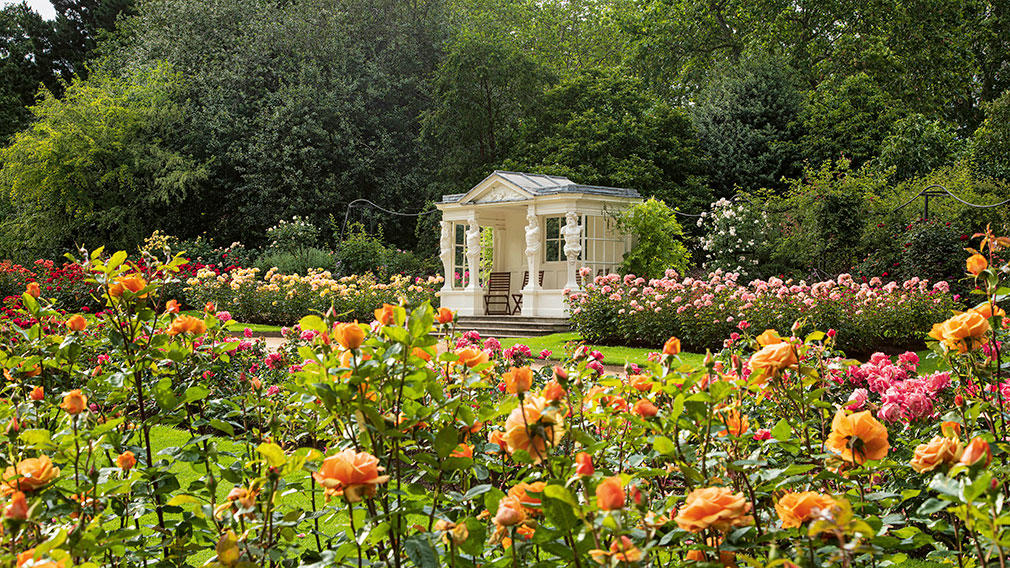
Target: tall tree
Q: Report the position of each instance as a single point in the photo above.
(304, 105)
(748, 127)
(482, 92)
(79, 25)
(96, 167)
(603, 128)
(26, 64)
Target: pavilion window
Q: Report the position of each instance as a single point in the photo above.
(554, 241)
(459, 255)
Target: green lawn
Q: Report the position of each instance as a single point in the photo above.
(612, 355)
(617, 355)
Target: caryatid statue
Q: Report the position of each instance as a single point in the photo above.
(572, 232)
(446, 254)
(473, 253)
(532, 250)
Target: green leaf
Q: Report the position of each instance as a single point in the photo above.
(475, 491)
(38, 439)
(446, 441)
(663, 445)
(420, 551)
(560, 493)
(164, 396)
(781, 431)
(222, 426)
(273, 453)
(195, 393)
(312, 323)
(678, 407)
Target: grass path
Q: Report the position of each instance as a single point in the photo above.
(617, 355)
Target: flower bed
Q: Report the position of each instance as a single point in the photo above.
(867, 316)
(284, 298)
(385, 444)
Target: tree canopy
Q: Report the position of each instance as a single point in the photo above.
(276, 109)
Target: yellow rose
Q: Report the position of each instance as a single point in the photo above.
(939, 451)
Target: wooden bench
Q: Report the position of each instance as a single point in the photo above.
(499, 286)
(517, 299)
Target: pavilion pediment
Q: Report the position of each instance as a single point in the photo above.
(496, 189)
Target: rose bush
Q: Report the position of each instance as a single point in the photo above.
(379, 442)
(867, 316)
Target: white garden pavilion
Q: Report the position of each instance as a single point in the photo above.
(537, 223)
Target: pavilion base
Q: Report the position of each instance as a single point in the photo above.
(544, 303)
(463, 302)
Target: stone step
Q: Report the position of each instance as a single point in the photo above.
(512, 326)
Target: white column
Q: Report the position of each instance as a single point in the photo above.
(572, 232)
(446, 254)
(533, 245)
(473, 254)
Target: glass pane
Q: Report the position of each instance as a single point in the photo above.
(553, 227)
(460, 234)
(553, 251)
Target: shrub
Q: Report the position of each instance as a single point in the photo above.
(277, 298)
(869, 316)
(657, 237)
(300, 261)
(381, 449)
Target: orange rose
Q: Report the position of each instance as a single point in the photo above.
(496, 437)
(985, 309)
(622, 549)
(33, 290)
(951, 429)
(28, 475)
(37, 394)
(77, 323)
(610, 494)
(462, 451)
(772, 360)
(797, 508)
(978, 449)
(126, 461)
(736, 423)
(17, 508)
(349, 335)
(27, 556)
(355, 475)
(553, 391)
(727, 558)
(531, 503)
(713, 507)
(976, 263)
(641, 383)
(133, 283)
(941, 450)
(768, 337)
(645, 408)
(444, 315)
(671, 347)
(963, 332)
(471, 357)
(74, 402)
(172, 307)
(187, 324)
(518, 379)
(209, 307)
(584, 464)
(510, 512)
(386, 315)
(531, 426)
(858, 437)
(421, 354)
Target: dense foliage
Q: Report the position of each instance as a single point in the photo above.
(142, 436)
(867, 316)
(277, 109)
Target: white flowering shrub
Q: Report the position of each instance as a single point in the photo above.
(736, 238)
(291, 236)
